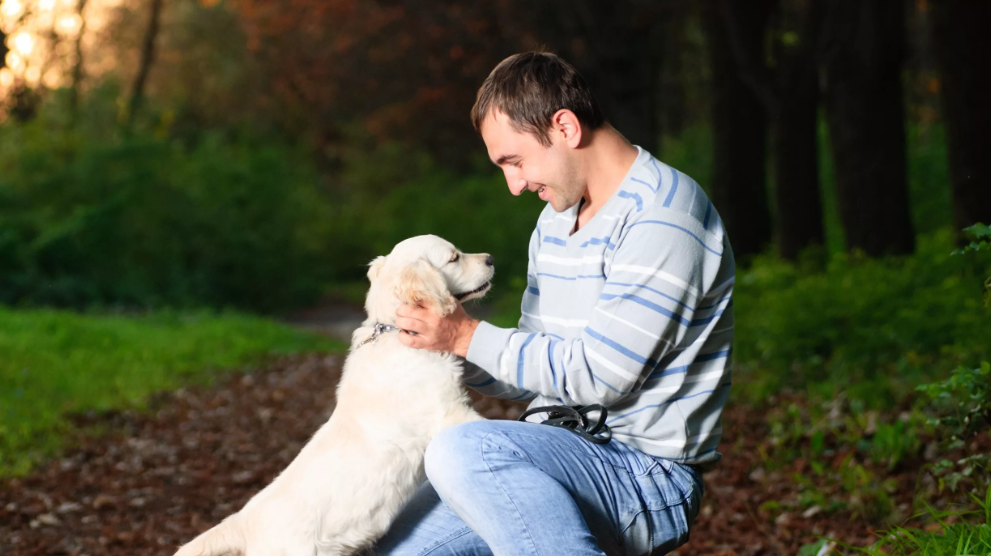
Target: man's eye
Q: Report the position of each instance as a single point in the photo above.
(455, 258)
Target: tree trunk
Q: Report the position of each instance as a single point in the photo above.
(796, 170)
(866, 115)
(672, 89)
(623, 67)
(3, 49)
(962, 41)
(739, 124)
(77, 69)
(789, 92)
(147, 58)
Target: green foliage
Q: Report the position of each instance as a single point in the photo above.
(390, 194)
(962, 402)
(982, 239)
(813, 549)
(970, 537)
(982, 242)
(893, 443)
(53, 363)
(867, 495)
(928, 177)
(960, 410)
(869, 328)
(87, 218)
(169, 216)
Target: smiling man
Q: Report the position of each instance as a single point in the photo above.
(628, 305)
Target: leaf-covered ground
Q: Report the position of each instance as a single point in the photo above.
(152, 481)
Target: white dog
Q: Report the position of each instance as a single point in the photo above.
(344, 488)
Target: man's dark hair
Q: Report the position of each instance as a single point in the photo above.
(530, 88)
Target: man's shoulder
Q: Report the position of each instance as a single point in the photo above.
(666, 193)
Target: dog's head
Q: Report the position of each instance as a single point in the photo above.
(426, 271)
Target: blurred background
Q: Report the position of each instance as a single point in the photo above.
(248, 153)
(182, 164)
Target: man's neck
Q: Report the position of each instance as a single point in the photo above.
(607, 159)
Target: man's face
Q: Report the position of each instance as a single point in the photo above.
(551, 172)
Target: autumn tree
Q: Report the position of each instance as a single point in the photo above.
(387, 71)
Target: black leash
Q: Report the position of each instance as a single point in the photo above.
(576, 420)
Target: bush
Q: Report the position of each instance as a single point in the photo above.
(93, 220)
(94, 215)
(871, 328)
(390, 194)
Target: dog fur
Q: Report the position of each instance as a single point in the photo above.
(347, 484)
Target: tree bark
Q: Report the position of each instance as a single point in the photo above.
(623, 67)
(147, 58)
(672, 89)
(796, 170)
(865, 109)
(3, 49)
(789, 92)
(739, 124)
(962, 41)
(77, 69)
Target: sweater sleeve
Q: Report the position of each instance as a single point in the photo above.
(663, 264)
(477, 378)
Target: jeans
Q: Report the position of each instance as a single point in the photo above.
(509, 488)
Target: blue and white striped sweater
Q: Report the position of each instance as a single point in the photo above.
(633, 311)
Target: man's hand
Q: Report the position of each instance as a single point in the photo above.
(435, 333)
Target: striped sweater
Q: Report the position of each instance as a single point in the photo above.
(633, 311)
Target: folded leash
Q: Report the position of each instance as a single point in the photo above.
(576, 420)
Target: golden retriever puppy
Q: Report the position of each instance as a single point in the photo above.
(347, 484)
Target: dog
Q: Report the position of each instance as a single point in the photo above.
(346, 486)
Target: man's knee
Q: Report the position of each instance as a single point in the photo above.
(454, 452)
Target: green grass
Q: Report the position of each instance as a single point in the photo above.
(53, 363)
(970, 537)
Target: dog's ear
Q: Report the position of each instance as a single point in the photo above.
(422, 284)
(375, 268)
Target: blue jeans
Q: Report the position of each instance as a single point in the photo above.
(507, 488)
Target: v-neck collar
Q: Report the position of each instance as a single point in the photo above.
(572, 213)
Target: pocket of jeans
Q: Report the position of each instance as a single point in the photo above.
(656, 531)
(666, 485)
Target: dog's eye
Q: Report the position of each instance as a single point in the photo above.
(455, 258)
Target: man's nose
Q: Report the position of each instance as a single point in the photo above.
(516, 185)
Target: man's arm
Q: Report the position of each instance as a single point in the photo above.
(651, 304)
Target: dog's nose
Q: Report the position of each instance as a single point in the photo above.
(489, 261)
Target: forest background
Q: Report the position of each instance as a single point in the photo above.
(184, 163)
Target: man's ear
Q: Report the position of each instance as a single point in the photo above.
(422, 284)
(566, 125)
(375, 268)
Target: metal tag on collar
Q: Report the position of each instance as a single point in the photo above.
(378, 331)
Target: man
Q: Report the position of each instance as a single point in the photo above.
(628, 305)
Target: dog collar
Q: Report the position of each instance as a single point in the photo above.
(379, 330)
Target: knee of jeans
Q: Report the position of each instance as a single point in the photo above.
(453, 453)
